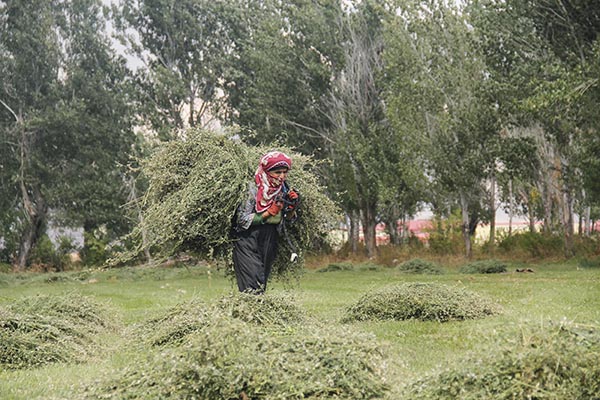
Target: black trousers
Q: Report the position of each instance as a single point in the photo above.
(253, 254)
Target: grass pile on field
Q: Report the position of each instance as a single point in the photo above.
(173, 327)
(558, 362)
(195, 187)
(47, 329)
(419, 266)
(484, 267)
(334, 267)
(423, 301)
(225, 356)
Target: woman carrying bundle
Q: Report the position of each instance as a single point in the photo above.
(259, 219)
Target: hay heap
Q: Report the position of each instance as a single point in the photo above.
(418, 266)
(560, 362)
(47, 329)
(226, 355)
(423, 301)
(484, 267)
(176, 324)
(195, 187)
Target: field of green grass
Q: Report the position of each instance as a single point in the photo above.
(552, 293)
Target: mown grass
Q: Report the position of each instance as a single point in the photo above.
(554, 292)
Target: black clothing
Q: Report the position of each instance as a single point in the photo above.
(253, 255)
(255, 247)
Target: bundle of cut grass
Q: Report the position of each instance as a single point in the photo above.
(175, 324)
(333, 267)
(231, 359)
(269, 309)
(173, 328)
(46, 329)
(418, 266)
(561, 362)
(195, 187)
(484, 267)
(423, 301)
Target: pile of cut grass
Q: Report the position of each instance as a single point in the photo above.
(484, 267)
(423, 301)
(419, 266)
(45, 329)
(172, 328)
(334, 267)
(228, 355)
(559, 362)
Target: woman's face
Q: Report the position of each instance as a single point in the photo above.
(278, 173)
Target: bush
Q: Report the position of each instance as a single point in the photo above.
(484, 267)
(226, 357)
(533, 244)
(418, 266)
(559, 362)
(588, 263)
(46, 329)
(423, 301)
(46, 255)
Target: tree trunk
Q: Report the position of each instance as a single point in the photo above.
(36, 212)
(568, 222)
(493, 213)
(511, 210)
(354, 234)
(392, 228)
(369, 223)
(587, 226)
(464, 206)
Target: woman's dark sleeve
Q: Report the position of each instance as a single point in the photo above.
(246, 211)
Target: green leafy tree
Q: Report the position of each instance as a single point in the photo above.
(187, 48)
(64, 117)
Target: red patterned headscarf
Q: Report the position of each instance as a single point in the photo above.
(268, 186)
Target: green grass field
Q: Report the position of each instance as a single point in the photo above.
(554, 292)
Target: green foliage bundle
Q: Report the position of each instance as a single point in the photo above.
(423, 301)
(195, 187)
(225, 356)
(419, 266)
(46, 329)
(559, 362)
(484, 267)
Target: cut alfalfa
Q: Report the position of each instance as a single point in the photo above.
(271, 309)
(177, 323)
(419, 266)
(484, 267)
(79, 310)
(334, 267)
(174, 325)
(230, 359)
(195, 187)
(423, 301)
(46, 329)
(558, 362)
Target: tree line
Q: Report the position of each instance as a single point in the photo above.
(408, 102)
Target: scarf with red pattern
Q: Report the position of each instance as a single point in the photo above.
(268, 186)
